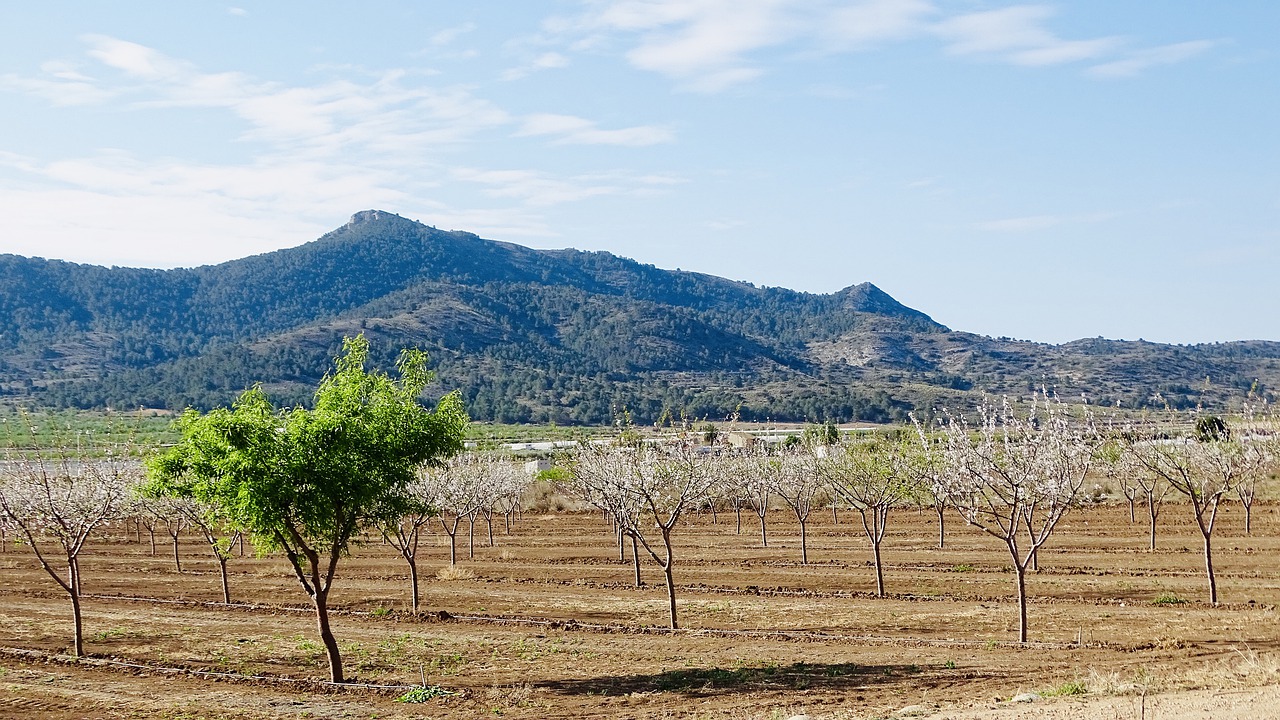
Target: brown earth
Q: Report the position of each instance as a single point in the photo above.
(763, 637)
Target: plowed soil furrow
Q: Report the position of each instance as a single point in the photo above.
(550, 624)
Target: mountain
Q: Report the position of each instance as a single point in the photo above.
(545, 335)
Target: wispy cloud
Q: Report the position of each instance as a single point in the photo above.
(1034, 223)
(386, 111)
(1018, 35)
(864, 24)
(354, 140)
(448, 35)
(1029, 223)
(545, 61)
(60, 83)
(538, 189)
(1138, 61)
(571, 130)
(704, 44)
(712, 45)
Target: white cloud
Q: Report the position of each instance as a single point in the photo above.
(134, 59)
(448, 35)
(713, 45)
(61, 89)
(389, 111)
(1017, 35)
(545, 61)
(1138, 61)
(535, 188)
(1033, 223)
(318, 152)
(702, 43)
(1029, 223)
(1064, 51)
(875, 21)
(571, 130)
(237, 11)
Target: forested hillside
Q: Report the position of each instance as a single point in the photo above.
(536, 335)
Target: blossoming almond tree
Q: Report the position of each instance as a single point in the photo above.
(1014, 476)
(595, 473)
(1135, 478)
(757, 485)
(647, 487)
(793, 476)
(454, 491)
(55, 500)
(404, 532)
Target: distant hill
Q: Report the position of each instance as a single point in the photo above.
(545, 335)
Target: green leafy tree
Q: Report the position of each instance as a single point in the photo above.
(825, 434)
(307, 482)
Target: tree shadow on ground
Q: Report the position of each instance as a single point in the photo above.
(747, 678)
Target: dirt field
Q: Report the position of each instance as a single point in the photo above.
(550, 626)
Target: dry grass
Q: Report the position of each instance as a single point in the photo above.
(515, 695)
(455, 572)
(1243, 667)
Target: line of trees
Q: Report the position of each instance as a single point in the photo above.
(368, 460)
(1012, 472)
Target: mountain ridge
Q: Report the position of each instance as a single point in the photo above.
(544, 335)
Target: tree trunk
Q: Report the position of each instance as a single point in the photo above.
(488, 521)
(835, 518)
(1152, 513)
(1022, 599)
(78, 649)
(671, 583)
(226, 587)
(1208, 566)
(326, 636)
(471, 537)
(1133, 517)
(875, 552)
(635, 560)
(73, 582)
(764, 535)
(804, 543)
(737, 510)
(942, 526)
(413, 582)
(152, 532)
(1248, 517)
(177, 559)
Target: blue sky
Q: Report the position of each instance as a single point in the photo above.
(1046, 171)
